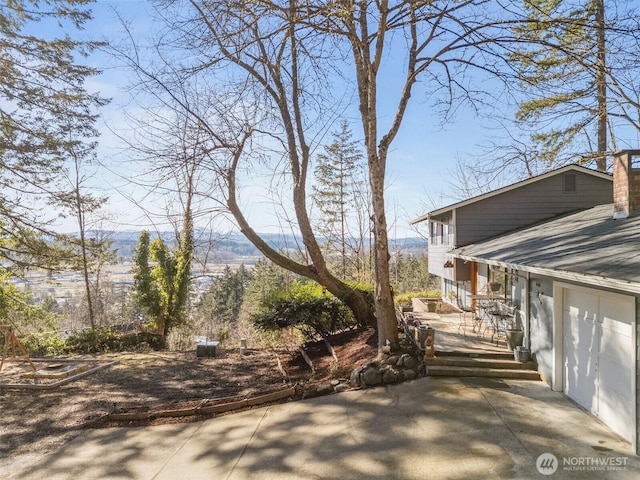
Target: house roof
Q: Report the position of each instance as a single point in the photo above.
(499, 191)
(589, 246)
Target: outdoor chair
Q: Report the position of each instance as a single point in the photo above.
(502, 315)
(467, 317)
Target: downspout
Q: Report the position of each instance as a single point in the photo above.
(527, 311)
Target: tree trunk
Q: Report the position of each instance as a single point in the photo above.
(317, 271)
(601, 82)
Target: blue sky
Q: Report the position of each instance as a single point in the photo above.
(419, 164)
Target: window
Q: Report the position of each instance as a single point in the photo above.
(439, 233)
(570, 183)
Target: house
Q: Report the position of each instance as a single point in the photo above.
(568, 189)
(577, 279)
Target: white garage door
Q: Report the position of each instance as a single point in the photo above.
(599, 355)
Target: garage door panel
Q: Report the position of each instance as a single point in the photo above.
(622, 326)
(600, 355)
(611, 404)
(587, 335)
(617, 312)
(579, 331)
(581, 377)
(615, 377)
(581, 304)
(616, 348)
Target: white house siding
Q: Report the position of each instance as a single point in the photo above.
(636, 443)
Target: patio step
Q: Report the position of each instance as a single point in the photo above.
(480, 364)
(448, 371)
(475, 354)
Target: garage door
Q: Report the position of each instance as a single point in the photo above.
(599, 355)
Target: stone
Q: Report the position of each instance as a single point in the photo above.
(371, 377)
(355, 380)
(409, 374)
(389, 375)
(410, 362)
(324, 389)
(392, 360)
(341, 387)
(403, 358)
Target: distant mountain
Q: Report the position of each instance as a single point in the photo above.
(235, 248)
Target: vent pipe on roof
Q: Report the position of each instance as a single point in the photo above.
(626, 184)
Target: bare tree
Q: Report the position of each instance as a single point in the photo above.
(263, 106)
(284, 70)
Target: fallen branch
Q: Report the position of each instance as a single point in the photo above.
(307, 359)
(282, 370)
(330, 348)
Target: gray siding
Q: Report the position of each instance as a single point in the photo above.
(437, 255)
(541, 324)
(528, 205)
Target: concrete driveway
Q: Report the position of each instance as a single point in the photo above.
(428, 428)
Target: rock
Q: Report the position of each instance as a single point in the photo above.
(392, 360)
(324, 389)
(403, 358)
(409, 374)
(410, 362)
(389, 375)
(371, 377)
(355, 380)
(341, 387)
(334, 382)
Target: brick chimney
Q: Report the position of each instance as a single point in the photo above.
(626, 184)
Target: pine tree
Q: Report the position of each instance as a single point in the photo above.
(46, 115)
(563, 73)
(333, 192)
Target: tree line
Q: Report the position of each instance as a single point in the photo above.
(239, 96)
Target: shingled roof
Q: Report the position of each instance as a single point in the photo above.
(589, 246)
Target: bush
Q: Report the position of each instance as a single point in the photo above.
(99, 340)
(43, 344)
(306, 307)
(404, 300)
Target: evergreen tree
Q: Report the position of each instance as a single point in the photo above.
(145, 292)
(45, 111)
(224, 299)
(563, 72)
(334, 190)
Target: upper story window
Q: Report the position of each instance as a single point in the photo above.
(570, 185)
(439, 233)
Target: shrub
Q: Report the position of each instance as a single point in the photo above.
(306, 307)
(404, 300)
(91, 341)
(43, 344)
(101, 340)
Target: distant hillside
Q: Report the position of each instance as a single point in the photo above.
(235, 248)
